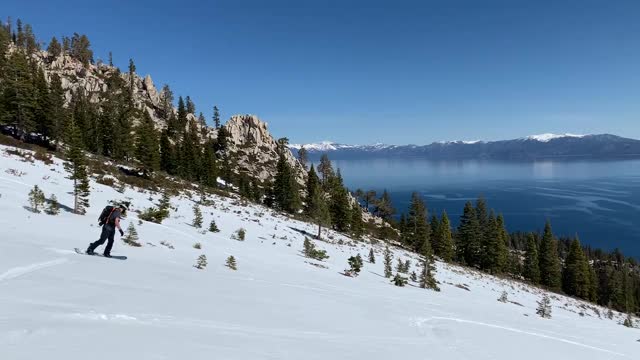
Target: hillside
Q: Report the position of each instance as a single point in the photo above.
(277, 305)
(543, 146)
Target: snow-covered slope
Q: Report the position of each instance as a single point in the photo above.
(55, 304)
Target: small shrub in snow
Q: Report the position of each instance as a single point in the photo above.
(36, 199)
(628, 322)
(503, 298)
(131, 238)
(388, 258)
(231, 263)
(201, 263)
(310, 251)
(197, 217)
(413, 276)
(107, 181)
(197, 246)
(609, 314)
(213, 227)
(53, 207)
(399, 280)
(355, 265)
(544, 307)
(167, 244)
(372, 256)
(239, 234)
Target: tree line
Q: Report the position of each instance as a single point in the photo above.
(482, 241)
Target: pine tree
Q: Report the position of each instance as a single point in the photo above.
(202, 262)
(372, 256)
(197, 217)
(399, 280)
(503, 244)
(544, 307)
(18, 98)
(54, 206)
(213, 227)
(549, 262)
(503, 297)
(531, 266)
(147, 146)
(427, 279)
(576, 276)
(417, 230)
(216, 117)
(81, 49)
(413, 276)
(77, 169)
(319, 210)
(491, 246)
(339, 206)
(357, 224)
(36, 198)
(57, 113)
(388, 258)
(182, 115)
(312, 185)
(355, 265)
(167, 154)
(326, 169)
(384, 206)
(628, 321)
(285, 186)
(191, 107)
(469, 236)
(303, 157)
(54, 49)
(445, 243)
(231, 263)
(131, 238)
(400, 266)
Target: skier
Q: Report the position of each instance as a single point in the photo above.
(110, 221)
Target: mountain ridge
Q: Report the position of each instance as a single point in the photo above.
(547, 145)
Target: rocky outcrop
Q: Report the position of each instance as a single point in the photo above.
(250, 143)
(256, 149)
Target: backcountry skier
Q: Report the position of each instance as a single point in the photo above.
(110, 221)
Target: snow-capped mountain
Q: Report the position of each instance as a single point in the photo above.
(603, 146)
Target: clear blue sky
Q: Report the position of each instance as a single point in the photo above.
(378, 71)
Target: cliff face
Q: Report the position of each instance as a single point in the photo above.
(256, 148)
(249, 142)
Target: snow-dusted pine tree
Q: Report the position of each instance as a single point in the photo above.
(231, 263)
(372, 256)
(213, 227)
(399, 280)
(503, 297)
(131, 238)
(201, 262)
(36, 198)
(197, 217)
(388, 258)
(544, 307)
(53, 207)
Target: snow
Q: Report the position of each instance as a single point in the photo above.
(548, 137)
(56, 304)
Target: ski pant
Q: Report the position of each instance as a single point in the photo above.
(108, 232)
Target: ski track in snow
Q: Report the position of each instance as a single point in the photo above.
(420, 322)
(23, 270)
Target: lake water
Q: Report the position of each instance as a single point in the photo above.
(598, 200)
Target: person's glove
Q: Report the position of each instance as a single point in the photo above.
(121, 232)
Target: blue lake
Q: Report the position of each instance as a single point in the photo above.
(598, 200)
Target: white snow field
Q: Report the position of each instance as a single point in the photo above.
(55, 304)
